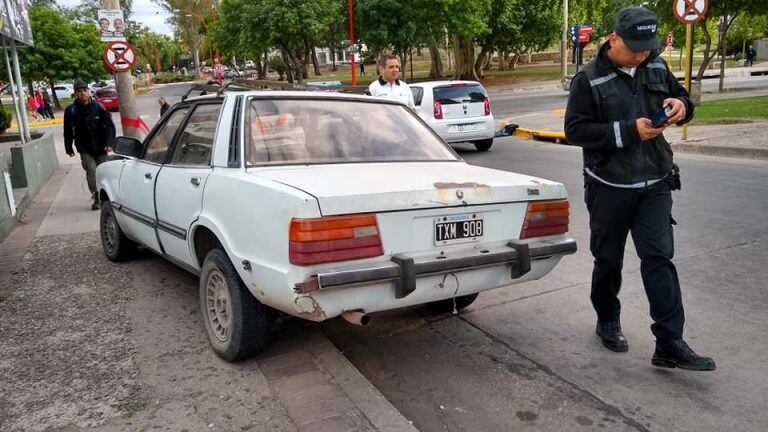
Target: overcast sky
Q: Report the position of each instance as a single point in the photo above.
(145, 12)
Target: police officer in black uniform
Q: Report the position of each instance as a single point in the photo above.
(629, 175)
(90, 127)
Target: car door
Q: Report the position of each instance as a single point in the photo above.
(180, 184)
(136, 206)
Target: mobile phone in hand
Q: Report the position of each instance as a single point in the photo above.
(660, 118)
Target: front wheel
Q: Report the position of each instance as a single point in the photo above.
(483, 145)
(236, 323)
(117, 247)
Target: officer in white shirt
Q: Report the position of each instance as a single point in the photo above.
(388, 85)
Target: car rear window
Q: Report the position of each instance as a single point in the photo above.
(107, 93)
(313, 131)
(459, 93)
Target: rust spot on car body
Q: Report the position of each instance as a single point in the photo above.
(473, 185)
(307, 308)
(448, 193)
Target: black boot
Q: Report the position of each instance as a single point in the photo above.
(611, 335)
(677, 354)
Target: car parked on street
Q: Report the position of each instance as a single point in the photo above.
(290, 201)
(459, 111)
(108, 98)
(63, 91)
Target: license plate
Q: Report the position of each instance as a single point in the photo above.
(467, 127)
(458, 229)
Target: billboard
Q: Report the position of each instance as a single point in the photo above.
(111, 25)
(15, 21)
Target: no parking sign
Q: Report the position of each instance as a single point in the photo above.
(119, 57)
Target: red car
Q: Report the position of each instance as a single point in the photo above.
(108, 98)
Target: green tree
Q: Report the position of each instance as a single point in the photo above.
(466, 21)
(63, 49)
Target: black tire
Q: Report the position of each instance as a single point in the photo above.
(446, 306)
(236, 323)
(117, 247)
(483, 145)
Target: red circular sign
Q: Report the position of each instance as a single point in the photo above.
(690, 11)
(119, 57)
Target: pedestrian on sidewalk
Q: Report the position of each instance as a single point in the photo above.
(163, 105)
(90, 127)
(47, 108)
(362, 68)
(629, 176)
(32, 106)
(39, 104)
(751, 54)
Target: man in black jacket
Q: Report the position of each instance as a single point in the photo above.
(90, 126)
(629, 175)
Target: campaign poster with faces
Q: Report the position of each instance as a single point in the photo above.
(111, 25)
(15, 21)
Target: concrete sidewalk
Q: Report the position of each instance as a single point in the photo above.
(302, 382)
(733, 140)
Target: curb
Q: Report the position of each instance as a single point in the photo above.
(541, 135)
(40, 123)
(711, 150)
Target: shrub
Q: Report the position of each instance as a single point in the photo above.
(165, 78)
(5, 120)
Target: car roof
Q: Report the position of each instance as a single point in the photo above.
(432, 84)
(299, 94)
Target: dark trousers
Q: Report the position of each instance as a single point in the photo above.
(646, 213)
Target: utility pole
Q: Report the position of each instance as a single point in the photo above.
(564, 42)
(133, 125)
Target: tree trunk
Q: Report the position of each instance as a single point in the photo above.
(314, 61)
(56, 102)
(465, 58)
(707, 48)
(480, 62)
(502, 60)
(288, 67)
(436, 63)
(513, 61)
(332, 49)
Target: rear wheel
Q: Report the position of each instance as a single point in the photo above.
(446, 305)
(117, 247)
(236, 323)
(483, 145)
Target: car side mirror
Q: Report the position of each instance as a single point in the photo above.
(129, 147)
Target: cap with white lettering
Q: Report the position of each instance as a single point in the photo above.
(637, 26)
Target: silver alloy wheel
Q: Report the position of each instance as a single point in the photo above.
(109, 231)
(218, 305)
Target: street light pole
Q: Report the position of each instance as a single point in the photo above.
(564, 42)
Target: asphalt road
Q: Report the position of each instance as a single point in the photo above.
(526, 357)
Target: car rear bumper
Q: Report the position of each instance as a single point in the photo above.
(448, 129)
(405, 270)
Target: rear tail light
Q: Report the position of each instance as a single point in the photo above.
(543, 218)
(438, 110)
(331, 239)
(487, 105)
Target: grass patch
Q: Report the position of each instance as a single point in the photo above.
(135, 408)
(732, 111)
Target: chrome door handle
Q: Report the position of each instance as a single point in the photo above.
(195, 181)
(148, 176)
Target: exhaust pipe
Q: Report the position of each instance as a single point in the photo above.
(357, 317)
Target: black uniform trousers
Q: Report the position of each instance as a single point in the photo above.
(647, 214)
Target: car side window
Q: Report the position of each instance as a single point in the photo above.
(161, 140)
(195, 143)
(418, 94)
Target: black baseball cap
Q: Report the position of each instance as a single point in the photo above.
(637, 26)
(80, 85)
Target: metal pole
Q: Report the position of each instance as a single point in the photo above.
(17, 72)
(688, 65)
(16, 100)
(352, 41)
(132, 125)
(564, 42)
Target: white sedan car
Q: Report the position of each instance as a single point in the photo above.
(321, 204)
(459, 111)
